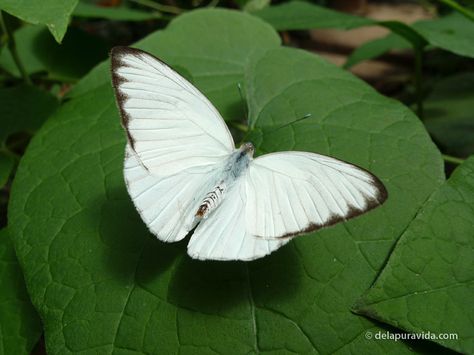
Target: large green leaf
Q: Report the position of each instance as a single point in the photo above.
(449, 114)
(102, 284)
(20, 326)
(69, 61)
(52, 13)
(428, 283)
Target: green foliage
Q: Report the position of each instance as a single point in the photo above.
(449, 114)
(52, 13)
(69, 61)
(427, 284)
(453, 33)
(101, 283)
(20, 326)
(24, 108)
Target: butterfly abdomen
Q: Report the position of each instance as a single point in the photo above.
(211, 201)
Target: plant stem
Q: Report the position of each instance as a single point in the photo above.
(461, 9)
(418, 81)
(10, 154)
(159, 7)
(453, 160)
(10, 40)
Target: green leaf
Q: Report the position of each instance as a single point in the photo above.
(24, 108)
(452, 33)
(376, 48)
(427, 284)
(103, 284)
(52, 13)
(69, 61)
(20, 326)
(112, 13)
(449, 114)
(6, 166)
(299, 15)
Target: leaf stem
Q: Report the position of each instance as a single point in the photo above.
(453, 160)
(10, 40)
(239, 126)
(461, 9)
(213, 3)
(159, 7)
(418, 81)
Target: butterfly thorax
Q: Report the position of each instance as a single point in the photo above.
(234, 167)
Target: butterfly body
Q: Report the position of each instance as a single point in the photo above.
(236, 165)
(183, 172)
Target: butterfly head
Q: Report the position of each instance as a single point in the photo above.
(247, 148)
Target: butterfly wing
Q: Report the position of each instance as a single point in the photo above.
(290, 193)
(170, 125)
(166, 204)
(224, 236)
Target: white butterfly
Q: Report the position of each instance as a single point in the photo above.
(182, 170)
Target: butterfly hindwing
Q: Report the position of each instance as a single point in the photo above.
(224, 235)
(167, 204)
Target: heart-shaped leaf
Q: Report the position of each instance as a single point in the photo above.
(102, 284)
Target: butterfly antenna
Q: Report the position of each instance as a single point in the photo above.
(308, 115)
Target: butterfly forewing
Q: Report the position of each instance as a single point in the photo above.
(170, 124)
